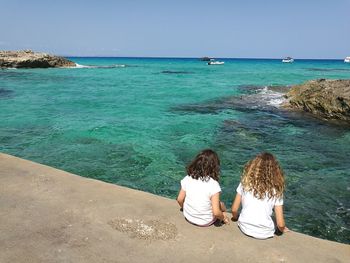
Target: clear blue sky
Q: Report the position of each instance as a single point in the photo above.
(178, 28)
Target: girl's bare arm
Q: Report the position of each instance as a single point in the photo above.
(217, 212)
(181, 198)
(235, 206)
(281, 225)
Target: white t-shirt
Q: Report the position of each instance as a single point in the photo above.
(197, 206)
(255, 218)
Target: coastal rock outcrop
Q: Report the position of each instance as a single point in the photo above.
(205, 58)
(327, 99)
(30, 59)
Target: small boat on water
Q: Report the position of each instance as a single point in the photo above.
(347, 60)
(288, 60)
(216, 63)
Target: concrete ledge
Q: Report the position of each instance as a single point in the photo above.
(48, 215)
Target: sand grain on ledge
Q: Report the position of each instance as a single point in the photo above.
(149, 230)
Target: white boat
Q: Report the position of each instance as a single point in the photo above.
(216, 63)
(288, 60)
(347, 60)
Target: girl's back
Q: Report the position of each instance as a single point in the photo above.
(260, 192)
(197, 206)
(255, 218)
(199, 196)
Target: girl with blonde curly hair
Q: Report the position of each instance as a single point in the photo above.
(260, 191)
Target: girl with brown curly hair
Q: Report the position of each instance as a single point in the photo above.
(199, 196)
(260, 191)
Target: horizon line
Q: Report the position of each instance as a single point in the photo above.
(173, 57)
(180, 57)
(176, 57)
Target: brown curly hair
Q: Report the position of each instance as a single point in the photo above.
(263, 176)
(206, 165)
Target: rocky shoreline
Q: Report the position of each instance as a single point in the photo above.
(323, 98)
(30, 59)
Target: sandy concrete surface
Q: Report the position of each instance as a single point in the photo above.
(48, 215)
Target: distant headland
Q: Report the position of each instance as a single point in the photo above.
(31, 59)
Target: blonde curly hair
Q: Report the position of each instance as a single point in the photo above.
(262, 176)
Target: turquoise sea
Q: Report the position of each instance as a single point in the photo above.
(137, 122)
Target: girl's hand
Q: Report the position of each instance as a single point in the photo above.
(234, 217)
(281, 230)
(286, 229)
(226, 220)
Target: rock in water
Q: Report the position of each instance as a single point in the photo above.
(30, 59)
(205, 59)
(328, 99)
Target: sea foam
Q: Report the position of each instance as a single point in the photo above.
(93, 66)
(272, 98)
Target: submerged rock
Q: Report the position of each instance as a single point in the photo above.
(30, 59)
(175, 72)
(254, 98)
(328, 99)
(5, 93)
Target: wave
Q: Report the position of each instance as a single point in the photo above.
(8, 68)
(267, 98)
(93, 66)
(270, 96)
